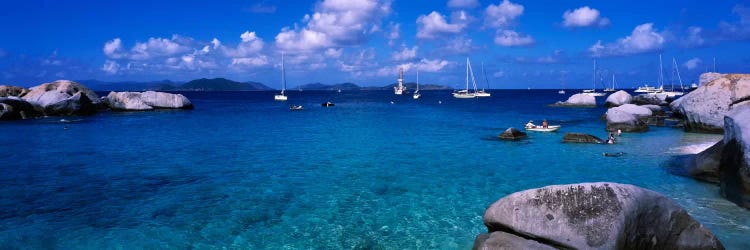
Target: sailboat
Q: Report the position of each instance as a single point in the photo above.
(613, 85)
(562, 85)
(416, 92)
(675, 70)
(398, 90)
(281, 96)
(464, 93)
(592, 92)
(482, 93)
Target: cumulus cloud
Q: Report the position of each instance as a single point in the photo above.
(335, 23)
(405, 54)
(694, 37)
(334, 53)
(557, 57)
(502, 15)
(424, 65)
(692, 63)
(113, 49)
(644, 38)
(467, 4)
(394, 34)
(434, 26)
(110, 67)
(250, 45)
(738, 30)
(459, 45)
(510, 38)
(250, 61)
(584, 17)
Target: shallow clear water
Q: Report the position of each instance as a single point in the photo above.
(242, 171)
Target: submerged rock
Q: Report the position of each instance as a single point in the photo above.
(149, 100)
(578, 100)
(592, 216)
(581, 138)
(704, 108)
(6, 90)
(618, 98)
(734, 169)
(63, 97)
(512, 134)
(14, 108)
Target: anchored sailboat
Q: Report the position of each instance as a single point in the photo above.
(416, 92)
(675, 71)
(281, 96)
(483, 93)
(464, 93)
(398, 90)
(612, 89)
(592, 92)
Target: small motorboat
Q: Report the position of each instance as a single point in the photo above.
(327, 104)
(550, 128)
(295, 107)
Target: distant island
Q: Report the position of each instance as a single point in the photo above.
(223, 84)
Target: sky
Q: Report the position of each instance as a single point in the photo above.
(521, 44)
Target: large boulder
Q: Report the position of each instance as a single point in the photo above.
(14, 108)
(6, 90)
(578, 100)
(63, 97)
(149, 100)
(638, 111)
(592, 216)
(705, 165)
(734, 171)
(652, 99)
(618, 98)
(619, 119)
(512, 134)
(704, 108)
(581, 138)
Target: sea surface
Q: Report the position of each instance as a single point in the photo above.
(376, 171)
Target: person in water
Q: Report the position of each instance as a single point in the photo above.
(619, 132)
(544, 124)
(611, 139)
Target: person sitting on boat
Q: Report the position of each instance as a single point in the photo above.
(530, 124)
(544, 124)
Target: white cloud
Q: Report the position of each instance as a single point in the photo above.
(434, 25)
(457, 46)
(584, 17)
(692, 63)
(250, 61)
(110, 67)
(644, 38)
(334, 53)
(335, 23)
(502, 15)
(113, 49)
(216, 43)
(405, 54)
(250, 45)
(695, 37)
(157, 47)
(435, 65)
(463, 3)
(394, 34)
(510, 38)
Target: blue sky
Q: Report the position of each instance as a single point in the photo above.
(538, 44)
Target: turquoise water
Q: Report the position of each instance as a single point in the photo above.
(242, 171)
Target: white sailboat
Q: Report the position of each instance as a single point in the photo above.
(416, 92)
(562, 85)
(281, 96)
(675, 71)
(592, 92)
(464, 93)
(483, 93)
(399, 90)
(612, 89)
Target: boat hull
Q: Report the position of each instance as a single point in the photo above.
(280, 97)
(551, 128)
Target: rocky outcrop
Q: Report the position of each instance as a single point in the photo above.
(64, 97)
(6, 91)
(14, 108)
(618, 119)
(149, 100)
(581, 138)
(592, 216)
(734, 171)
(704, 108)
(578, 100)
(652, 99)
(618, 98)
(512, 134)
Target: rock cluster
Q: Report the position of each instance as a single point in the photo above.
(578, 100)
(618, 98)
(149, 100)
(704, 108)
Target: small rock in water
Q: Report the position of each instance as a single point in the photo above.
(581, 138)
(512, 134)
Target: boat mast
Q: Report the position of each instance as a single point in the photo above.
(467, 74)
(283, 73)
(400, 78)
(677, 70)
(487, 82)
(473, 79)
(661, 74)
(594, 83)
(417, 79)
